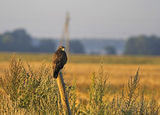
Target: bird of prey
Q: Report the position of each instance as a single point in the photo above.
(59, 60)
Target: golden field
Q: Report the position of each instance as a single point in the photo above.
(118, 69)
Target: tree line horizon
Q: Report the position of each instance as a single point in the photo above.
(19, 40)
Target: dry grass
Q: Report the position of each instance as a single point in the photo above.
(91, 88)
(118, 75)
(117, 68)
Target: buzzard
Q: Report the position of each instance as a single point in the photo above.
(59, 60)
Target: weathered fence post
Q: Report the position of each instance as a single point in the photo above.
(63, 94)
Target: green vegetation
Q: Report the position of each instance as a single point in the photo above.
(110, 50)
(21, 41)
(76, 47)
(26, 91)
(143, 45)
(29, 91)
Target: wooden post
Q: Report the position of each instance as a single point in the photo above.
(64, 99)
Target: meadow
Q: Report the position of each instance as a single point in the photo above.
(88, 72)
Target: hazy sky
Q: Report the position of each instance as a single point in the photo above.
(89, 18)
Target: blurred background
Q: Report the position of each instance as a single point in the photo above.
(87, 26)
(113, 37)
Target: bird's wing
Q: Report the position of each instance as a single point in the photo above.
(54, 60)
(64, 57)
(59, 60)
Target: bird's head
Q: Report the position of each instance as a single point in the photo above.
(61, 48)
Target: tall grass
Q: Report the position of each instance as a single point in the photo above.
(26, 90)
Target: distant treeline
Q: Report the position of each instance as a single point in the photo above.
(143, 45)
(20, 41)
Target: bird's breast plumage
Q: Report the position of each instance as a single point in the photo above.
(59, 60)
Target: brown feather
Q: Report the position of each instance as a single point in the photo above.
(59, 60)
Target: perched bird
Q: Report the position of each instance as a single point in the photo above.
(59, 60)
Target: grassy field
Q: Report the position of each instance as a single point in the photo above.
(80, 67)
(117, 70)
(39, 57)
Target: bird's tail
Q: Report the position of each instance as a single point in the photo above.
(55, 74)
